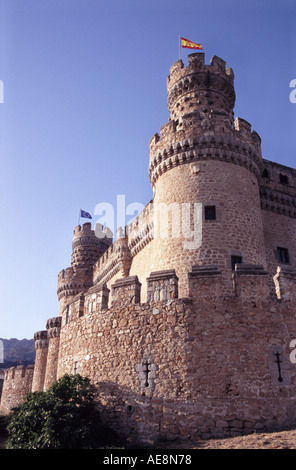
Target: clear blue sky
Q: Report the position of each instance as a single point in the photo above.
(85, 90)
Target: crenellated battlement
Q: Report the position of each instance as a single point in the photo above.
(41, 339)
(17, 372)
(205, 283)
(140, 231)
(74, 339)
(72, 281)
(115, 261)
(53, 326)
(69, 273)
(209, 340)
(201, 125)
(199, 86)
(198, 149)
(278, 189)
(85, 232)
(244, 130)
(196, 62)
(17, 382)
(88, 245)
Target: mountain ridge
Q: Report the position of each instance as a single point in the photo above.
(17, 352)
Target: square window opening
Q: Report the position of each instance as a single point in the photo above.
(284, 179)
(210, 212)
(283, 255)
(235, 260)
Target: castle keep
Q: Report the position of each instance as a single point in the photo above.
(185, 333)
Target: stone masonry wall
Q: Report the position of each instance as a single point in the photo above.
(17, 382)
(41, 346)
(193, 367)
(237, 229)
(279, 231)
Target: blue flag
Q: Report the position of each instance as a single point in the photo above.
(85, 214)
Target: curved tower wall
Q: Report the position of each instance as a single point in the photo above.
(53, 326)
(41, 346)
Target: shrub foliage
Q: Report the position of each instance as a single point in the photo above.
(63, 417)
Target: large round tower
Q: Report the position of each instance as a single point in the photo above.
(204, 169)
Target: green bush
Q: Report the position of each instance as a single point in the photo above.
(4, 421)
(63, 417)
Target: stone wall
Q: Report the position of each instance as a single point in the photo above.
(178, 368)
(200, 366)
(41, 346)
(17, 382)
(279, 231)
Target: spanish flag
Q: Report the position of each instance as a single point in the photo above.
(190, 45)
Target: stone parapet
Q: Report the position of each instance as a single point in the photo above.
(97, 298)
(140, 230)
(41, 339)
(162, 285)
(115, 261)
(17, 383)
(251, 282)
(71, 282)
(53, 326)
(205, 282)
(229, 149)
(126, 291)
(278, 189)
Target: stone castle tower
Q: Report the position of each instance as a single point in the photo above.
(86, 250)
(186, 322)
(204, 156)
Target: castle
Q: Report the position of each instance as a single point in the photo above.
(186, 333)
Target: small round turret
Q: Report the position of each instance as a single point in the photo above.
(41, 346)
(200, 88)
(87, 248)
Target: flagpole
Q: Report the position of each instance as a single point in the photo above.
(179, 47)
(79, 217)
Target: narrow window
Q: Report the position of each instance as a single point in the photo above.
(283, 179)
(235, 260)
(81, 305)
(283, 255)
(75, 367)
(265, 173)
(67, 315)
(210, 212)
